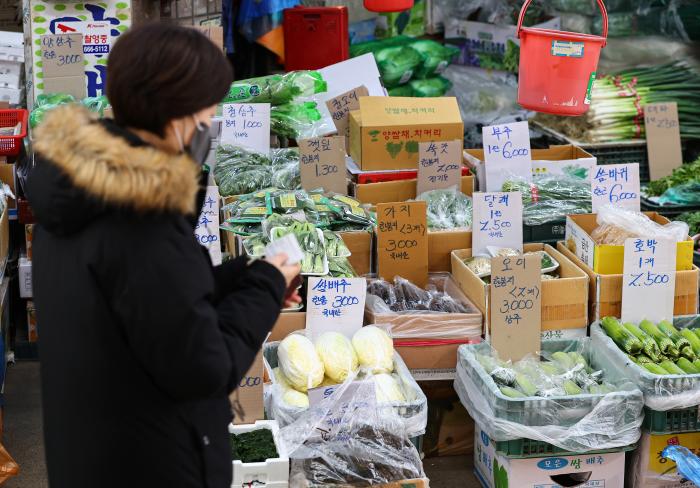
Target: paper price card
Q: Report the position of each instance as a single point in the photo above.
(649, 280)
(617, 185)
(497, 221)
(62, 55)
(345, 403)
(247, 125)
(207, 228)
(439, 165)
(516, 313)
(335, 305)
(322, 164)
(341, 106)
(663, 138)
(507, 154)
(402, 241)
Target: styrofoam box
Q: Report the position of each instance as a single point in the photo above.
(273, 472)
(13, 96)
(11, 74)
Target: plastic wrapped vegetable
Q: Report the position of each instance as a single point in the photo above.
(296, 120)
(239, 171)
(615, 225)
(388, 389)
(300, 363)
(397, 64)
(683, 194)
(47, 102)
(277, 89)
(551, 198)
(401, 91)
(337, 355)
(436, 57)
(430, 87)
(447, 209)
(375, 349)
(296, 398)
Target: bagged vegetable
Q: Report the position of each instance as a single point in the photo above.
(297, 121)
(300, 363)
(239, 171)
(277, 89)
(436, 57)
(337, 355)
(375, 349)
(397, 64)
(615, 225)
(430, 87)
(683, 194)
(447, 209)
(684, 174)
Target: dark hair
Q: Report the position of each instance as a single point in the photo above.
(159, 72)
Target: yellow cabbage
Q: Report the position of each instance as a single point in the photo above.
(374, 348)
(296, 398)
(328, 382)
(337, 355)
(280, 379)
(299, 362)
(387, 389)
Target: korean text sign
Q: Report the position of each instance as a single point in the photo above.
(335, 305)
(516, 305)
(497, 221)
(439, 165)
(322, 164)
(663, 138)
(341, 106)
(649, 279)
(617, 185)
(247, 125)
(402, 241)
(207, 228)
(507, 154)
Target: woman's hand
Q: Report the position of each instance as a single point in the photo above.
(290, 272)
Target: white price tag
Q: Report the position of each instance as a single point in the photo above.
(207, 229)
(649, 280)
(335, 305)
(497, 221)
(617, 185)
(288, 245)
(247, 125)
(507, 154)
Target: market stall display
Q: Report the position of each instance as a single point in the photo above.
(48, 101)
(239, 171)
(447, 209)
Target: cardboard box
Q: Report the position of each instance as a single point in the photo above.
(648, 469)
(395, 124)
(247, 400)
(11, 74)
(563, 300)
(450, 429)
(287, 323)
(605, 291)
(564, 154)
(441, 243)
(32, 330)
(397, 191)
(608, 260)
(602, 470)
(360, 245)
(25, 278)
(429, 362)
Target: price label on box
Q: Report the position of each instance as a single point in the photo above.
(617, 185)
(507, 154)
(322, 164)
(335, 305)
(497, 221)
(247, 125)
(402, 241)
(649, 279)
(516, 305)
(439, 165)
(663, 138)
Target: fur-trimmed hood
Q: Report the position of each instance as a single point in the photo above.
(112, 170)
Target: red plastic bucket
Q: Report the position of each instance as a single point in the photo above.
(388, 5)
(557, 69)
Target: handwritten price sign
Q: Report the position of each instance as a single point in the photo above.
(322, 164)
(402, 241)
(507, 154)
(247, 125)
(516, 305)
(498, 221)
(663, 138)
(207, 229)
(335, 305)
(649, 279)
(439, 165)
(617, 185)
(341, 106)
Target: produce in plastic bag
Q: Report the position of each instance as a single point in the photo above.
(277, 89)
(297, 121)
(436, 57)
(404, 296)
(683, 194)
(550, 198)
(375, 349)
(430, 87)
(615, 225)
(397, 64)
(296, 398)
(300, 363)
(239, 171)
(337, 355)
(687, 463)
(447, 209)
(48, 101)
(387, 389)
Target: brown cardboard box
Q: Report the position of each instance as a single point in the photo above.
(450, 429)
(360, 245)
(428, 357)
(563, 300)
(397, 191)
(247, 399)
(383, 122)
(287, 323)
(605, 291)
(441, 243)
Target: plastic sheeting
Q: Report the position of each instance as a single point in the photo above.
(615, 225)
(413, 413)
(447, 209)
(576, 423)
(668, 392)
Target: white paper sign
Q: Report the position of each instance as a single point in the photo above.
(247, 125)
(507, 154)
(335, 305)
(617, 185)
(207, 229)
(497, 221)
(96, 35)
(649, 279)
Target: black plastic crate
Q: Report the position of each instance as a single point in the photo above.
(548, 233)
(667, 210)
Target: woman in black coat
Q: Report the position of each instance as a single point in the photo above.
(142, 340)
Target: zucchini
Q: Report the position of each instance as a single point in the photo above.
(571, 388)
(649, 345)
(665, 344)
(681, 342)
(511, 392)
(693, 339)
(525, 385)
(643, 359)
(655, 369)
(625, 341)
(563, 360)
(671, 368)
(687, 366)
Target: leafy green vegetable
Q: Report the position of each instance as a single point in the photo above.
(277, 89)
(238, 171)
(431, 87)
(551, 197)
(685, 173)
(294, 120)
(253, 447)
(693, 221)
(447, 209)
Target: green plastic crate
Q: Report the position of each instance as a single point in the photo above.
(671, 421)
(530, 448)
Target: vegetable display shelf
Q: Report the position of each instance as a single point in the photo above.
(548, 233)
(530, 448)
(671, 421)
